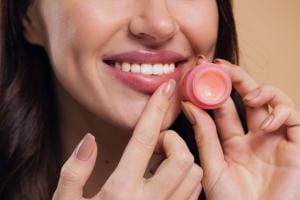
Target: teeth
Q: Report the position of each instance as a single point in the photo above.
(118, 66)
(148, 69)
(135, 68)
(166, 68)
(125, 67)
(158, 69)
(172, 67)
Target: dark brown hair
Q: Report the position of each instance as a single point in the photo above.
(29, 162)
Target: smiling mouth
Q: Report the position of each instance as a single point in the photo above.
(145, 68)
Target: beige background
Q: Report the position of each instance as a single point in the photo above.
(269, 36)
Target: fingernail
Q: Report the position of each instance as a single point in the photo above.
(84, 149)
(222, 62)
(188, 113)
(200, 59)
(169, 88)
(267, 122)
(252, 95)
(216, 60)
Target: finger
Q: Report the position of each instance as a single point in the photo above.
(227, 121)
(77, 169)
(196, 194)
(210, 150)
(284, 115)
(241, 80)
(172, 170)
(267, 94)
(244, 84)
(142, 143)
(191, 183)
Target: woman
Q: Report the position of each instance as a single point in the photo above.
(62, 76)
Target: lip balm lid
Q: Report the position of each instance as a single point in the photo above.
(210, 85)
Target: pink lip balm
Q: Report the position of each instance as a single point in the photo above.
(207, 86)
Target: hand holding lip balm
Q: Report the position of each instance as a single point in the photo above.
(207, 86)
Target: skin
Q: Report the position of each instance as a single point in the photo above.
(264, 164)
(73, 35)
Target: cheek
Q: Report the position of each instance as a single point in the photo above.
(75, 36)
(199, 22)
(91, 27)
(80, 27)
(76, 33)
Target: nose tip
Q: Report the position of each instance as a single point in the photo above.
(155, 24)
(158, 30)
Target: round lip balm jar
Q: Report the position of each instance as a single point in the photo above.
(207, 86)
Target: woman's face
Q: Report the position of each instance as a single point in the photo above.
(89, 41)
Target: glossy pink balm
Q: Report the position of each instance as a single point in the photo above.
(207, 86)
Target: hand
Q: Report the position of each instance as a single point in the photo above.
(176, 178)
(263, 164)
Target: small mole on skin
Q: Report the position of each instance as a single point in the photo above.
(107, 161)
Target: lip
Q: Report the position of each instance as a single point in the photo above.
(146, 84)
(149, 57)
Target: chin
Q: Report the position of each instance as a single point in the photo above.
(128, 123)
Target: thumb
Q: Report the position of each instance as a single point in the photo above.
(77, 169)
(209, 146)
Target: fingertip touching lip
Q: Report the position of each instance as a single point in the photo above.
(147, 57)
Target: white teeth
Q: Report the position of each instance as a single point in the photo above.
(166, 68)
(118, 66)
(172, 67)
(125, 67)
(158, 69)
(135, 68)
(148, 69)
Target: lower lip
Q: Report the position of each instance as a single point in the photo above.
(146, 84)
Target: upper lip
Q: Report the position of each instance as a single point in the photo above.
(149, 57)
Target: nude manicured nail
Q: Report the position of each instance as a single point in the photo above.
(252, 95)
(216, 60)
(200, 59)
(267, 122)
(85, 148)
(169, 88)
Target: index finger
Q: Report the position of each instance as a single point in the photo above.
(244, 84)
(141, 146)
